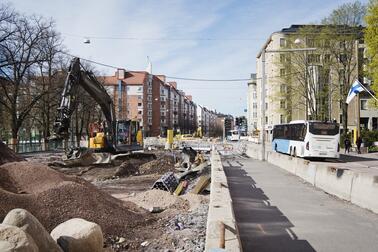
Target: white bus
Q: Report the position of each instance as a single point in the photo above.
(308, 139)
(233, 135)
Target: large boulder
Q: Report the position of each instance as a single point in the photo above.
(78, 235)
(28, 223)
(14, 239)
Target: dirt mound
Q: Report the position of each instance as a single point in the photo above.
(161, 165)
(54, 198)
(159, 198)
(7, 155)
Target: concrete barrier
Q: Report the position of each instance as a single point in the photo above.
(360, 188)
(335, 181)
(221, 225)
(365, 191)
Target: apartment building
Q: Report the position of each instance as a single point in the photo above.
(279, 100)
(158, 105)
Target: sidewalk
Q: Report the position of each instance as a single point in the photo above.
(276, 211)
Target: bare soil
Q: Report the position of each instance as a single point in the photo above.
(116, 201)
(8, 155)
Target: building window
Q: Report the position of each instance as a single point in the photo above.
(139, 97)
(139, 104)
(254, 115)
(327, 58)
(254, 95)
(140, 112)
(283, 88)
(282, 42)
(281, 118)
(363, 104)
(139, 88)
(283, 104)
(282, 72)
(266, 120)
(149, 121)
(266, 106)
(150, 113)
(313, 58)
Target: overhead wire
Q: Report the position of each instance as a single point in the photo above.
(161, 39)
(184, 78)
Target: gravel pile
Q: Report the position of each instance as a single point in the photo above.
(189, 229)
(160, 199)
(53, 198)
(163, 164)
(7, 155)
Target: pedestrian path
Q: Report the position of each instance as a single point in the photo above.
(277, 211)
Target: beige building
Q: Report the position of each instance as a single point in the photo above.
(280, 104)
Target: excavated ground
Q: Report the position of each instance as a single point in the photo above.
(54, 194)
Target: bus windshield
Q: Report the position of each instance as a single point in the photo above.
(323, 128)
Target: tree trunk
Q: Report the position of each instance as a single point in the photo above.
(345, 119)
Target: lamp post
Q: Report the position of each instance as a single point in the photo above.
(263, 83)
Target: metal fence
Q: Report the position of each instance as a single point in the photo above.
(39, 146)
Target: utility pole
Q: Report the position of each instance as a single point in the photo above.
(263, 105)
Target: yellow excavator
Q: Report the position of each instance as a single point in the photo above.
(111, 136)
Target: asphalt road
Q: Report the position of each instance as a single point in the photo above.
(277, 211)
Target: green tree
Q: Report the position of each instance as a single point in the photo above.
(371, 40)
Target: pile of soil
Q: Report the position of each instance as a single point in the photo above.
(7, 155)
(163, 164)
(159, 198)
(53, 198)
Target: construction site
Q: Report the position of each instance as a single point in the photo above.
(152, 200)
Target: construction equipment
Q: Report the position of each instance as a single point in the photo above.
(110, 136)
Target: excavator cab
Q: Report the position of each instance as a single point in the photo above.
(127, 135)
(128, 132)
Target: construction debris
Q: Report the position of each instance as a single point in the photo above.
(203, 182)
(135, 215)
(168, 182)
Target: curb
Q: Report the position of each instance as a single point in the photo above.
(221, 231)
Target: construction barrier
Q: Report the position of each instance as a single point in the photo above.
(358, 187)
(221, 231)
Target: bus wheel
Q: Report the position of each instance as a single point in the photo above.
(290, 152)
(275, 147)
(295, 152)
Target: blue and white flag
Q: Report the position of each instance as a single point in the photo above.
(354, 89)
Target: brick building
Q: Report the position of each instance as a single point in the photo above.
(158, 105)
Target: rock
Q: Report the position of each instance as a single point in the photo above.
(78, 235)
(29, 224)
(145, 244)
(121, 240)
(14, 239)
(156, 209)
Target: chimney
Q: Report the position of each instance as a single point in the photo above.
(120, 74)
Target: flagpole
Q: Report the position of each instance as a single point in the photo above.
(358, 116)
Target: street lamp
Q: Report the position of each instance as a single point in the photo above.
(263, 81)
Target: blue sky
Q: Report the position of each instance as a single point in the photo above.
(180, 27)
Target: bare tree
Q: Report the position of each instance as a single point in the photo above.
(21, 51)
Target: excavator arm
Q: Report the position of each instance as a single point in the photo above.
(77, 77)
